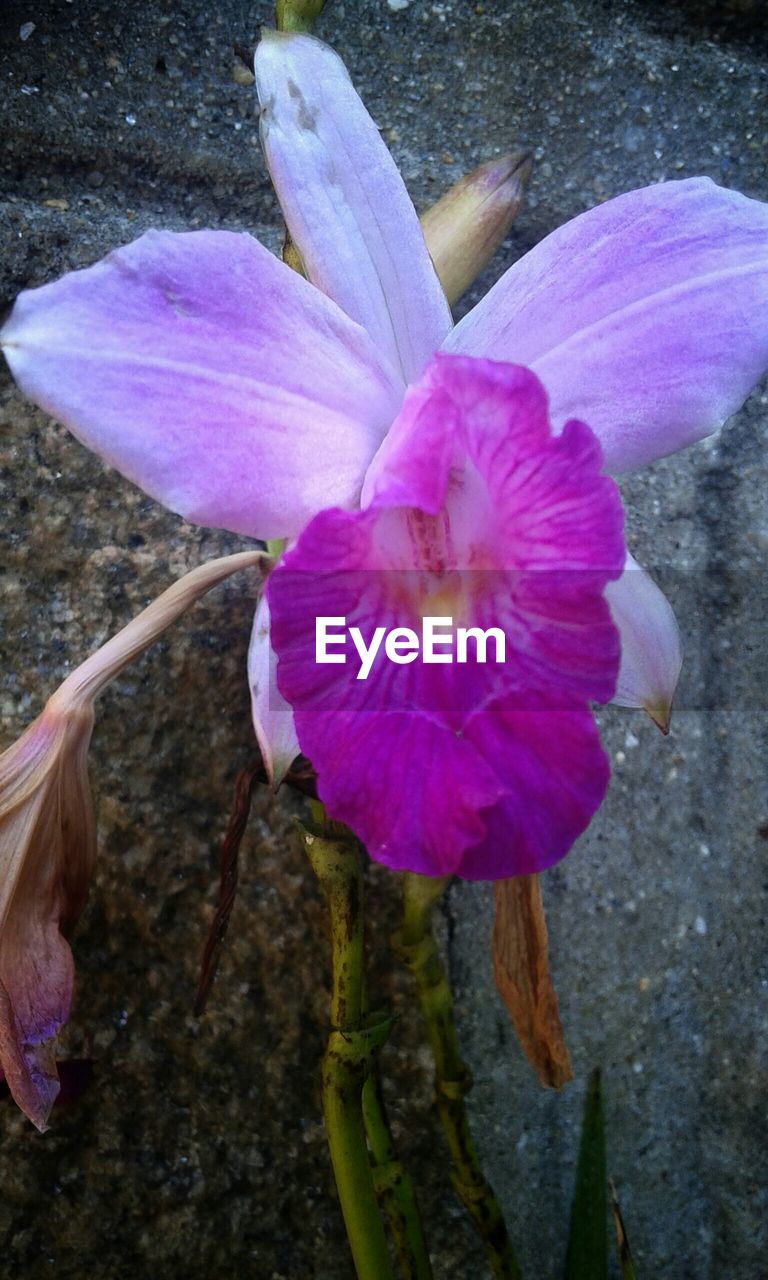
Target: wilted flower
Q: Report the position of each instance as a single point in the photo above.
(47, 851)
(245, 397)
(48, 846)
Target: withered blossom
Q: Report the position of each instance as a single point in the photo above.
(48, 846)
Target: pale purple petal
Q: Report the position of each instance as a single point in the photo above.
(272, 717)
(647, 317)
(528, 534)
(211, 375)
(344, 202)
(651, 656)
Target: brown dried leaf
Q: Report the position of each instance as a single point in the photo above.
(521, 971)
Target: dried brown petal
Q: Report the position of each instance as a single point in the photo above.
(521, 971)
(48, 846)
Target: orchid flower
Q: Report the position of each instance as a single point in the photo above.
(317, 410)
(48, 845)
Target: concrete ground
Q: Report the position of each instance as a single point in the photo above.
(197, 1151)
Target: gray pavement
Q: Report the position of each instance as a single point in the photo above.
(197, 1151)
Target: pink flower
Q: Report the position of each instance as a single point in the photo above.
(472, 511)
(246, 397)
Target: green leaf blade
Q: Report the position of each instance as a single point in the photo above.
(587, 1256)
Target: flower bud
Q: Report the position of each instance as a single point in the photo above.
(467, 225)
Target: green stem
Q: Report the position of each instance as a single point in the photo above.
(276, 547)
(416, 945)
(394, 1187)
(352, 1046)
(335, 861)
(346, 1066)
(297, 15)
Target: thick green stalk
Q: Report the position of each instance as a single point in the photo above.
(394, 1187)
(352, 1046)
(416, 944)
(346, 1065)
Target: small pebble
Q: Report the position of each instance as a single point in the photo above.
(241, 74)
(25, 30)
(397, 5)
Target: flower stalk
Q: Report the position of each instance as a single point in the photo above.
(394, 1187)
(297, 15)
(415, 943)
(353, 1043)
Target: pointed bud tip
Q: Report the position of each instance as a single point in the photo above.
(514, 164)
(660, 712)
(276, 766)
(504, 176)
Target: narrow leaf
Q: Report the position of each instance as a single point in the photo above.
(587, 1256)
(521, 971)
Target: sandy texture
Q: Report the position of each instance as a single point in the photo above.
(198, 1152)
